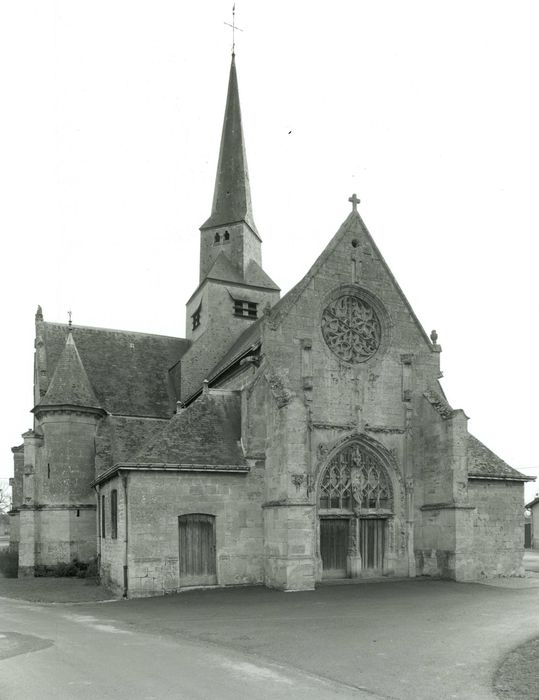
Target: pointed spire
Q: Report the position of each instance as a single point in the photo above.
(70, 385)
(232, 194)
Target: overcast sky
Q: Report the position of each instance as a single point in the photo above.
(110, 126)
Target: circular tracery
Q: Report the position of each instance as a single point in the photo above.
(351, 328)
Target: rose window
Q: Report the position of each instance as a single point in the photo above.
(351, 328)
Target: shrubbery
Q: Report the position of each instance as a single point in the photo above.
(9, 563)
(73, 569)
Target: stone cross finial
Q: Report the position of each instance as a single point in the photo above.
(355, 201)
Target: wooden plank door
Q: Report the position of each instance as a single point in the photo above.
(372, 543)
(334, 546)
(197, 550)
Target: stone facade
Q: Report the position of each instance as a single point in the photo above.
(282, 442)
(155, 502)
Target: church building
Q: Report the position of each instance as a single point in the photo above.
(282, 441)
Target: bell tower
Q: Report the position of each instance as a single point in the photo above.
(233, 288)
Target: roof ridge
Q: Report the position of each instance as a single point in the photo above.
(110, 330)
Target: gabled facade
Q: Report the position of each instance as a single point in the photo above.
(283, 442)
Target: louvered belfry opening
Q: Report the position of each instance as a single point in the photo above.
(197, 566)
(355, 502)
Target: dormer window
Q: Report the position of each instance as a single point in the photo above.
(196, 317)
(245, 309)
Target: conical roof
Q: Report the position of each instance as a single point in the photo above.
(232, 194)
(70, 385)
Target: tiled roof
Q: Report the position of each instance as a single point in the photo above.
(128, 371)
(70, 385)
(206, 434)
(483, 463)
(533, 503)
(120, 438)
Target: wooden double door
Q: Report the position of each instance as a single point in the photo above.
(197, 550)
(340, 537)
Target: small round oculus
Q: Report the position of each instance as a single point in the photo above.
(351, 328)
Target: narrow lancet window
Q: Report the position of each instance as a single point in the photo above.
(114, 514)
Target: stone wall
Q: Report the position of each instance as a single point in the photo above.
(57, 515)
(498, 527)
(112, 550)
(156, 500)
(64, 534)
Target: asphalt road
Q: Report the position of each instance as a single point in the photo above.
(420, 640)
(56, 652)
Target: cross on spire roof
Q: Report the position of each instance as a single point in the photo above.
(355, 201)
(233, 25)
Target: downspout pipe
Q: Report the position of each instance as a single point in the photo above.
(126, 535)
(98, 511)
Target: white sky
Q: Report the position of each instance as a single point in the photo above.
(109, 134)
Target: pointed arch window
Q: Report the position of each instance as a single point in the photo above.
(355, 477)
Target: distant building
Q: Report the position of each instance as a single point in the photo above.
(282, 441)
(533, 507)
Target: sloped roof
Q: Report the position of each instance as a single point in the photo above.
(533, 503)
(127, 371)
(70, 385)
(232, 194)
(223, 269)
(256, 276)
(120, 438)
(484, 464)
(205, 434)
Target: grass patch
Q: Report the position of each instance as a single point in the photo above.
(516, 676)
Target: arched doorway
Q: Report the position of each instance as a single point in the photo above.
(355, 501)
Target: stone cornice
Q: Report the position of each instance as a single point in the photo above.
(68, 408)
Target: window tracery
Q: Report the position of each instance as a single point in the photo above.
(355, 477)
(351, 328)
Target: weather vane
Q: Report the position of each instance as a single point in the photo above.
(234, 28)
(69, 324)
